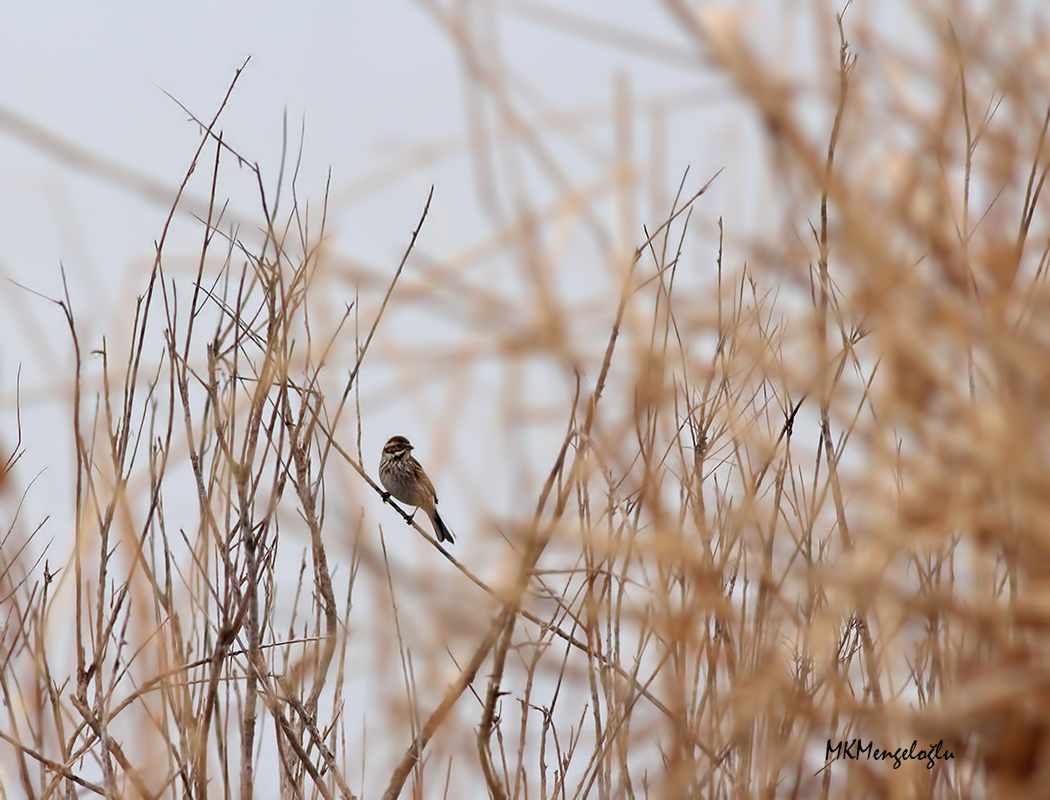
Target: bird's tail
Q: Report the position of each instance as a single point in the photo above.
(442, 531)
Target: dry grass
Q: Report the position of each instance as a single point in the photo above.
(794, 489)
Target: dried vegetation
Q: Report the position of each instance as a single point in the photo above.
(794, 490)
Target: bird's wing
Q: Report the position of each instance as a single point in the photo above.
(429, 485)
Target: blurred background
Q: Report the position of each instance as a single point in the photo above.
(720, 340)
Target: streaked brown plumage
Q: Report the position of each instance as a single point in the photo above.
(404, 479)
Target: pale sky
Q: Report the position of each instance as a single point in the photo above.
(377, 91)
(370, 85)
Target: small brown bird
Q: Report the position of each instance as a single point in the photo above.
(404, 479)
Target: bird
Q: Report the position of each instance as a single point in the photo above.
(405, 479)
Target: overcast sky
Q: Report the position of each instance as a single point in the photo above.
(94, 144)
(375, 95)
